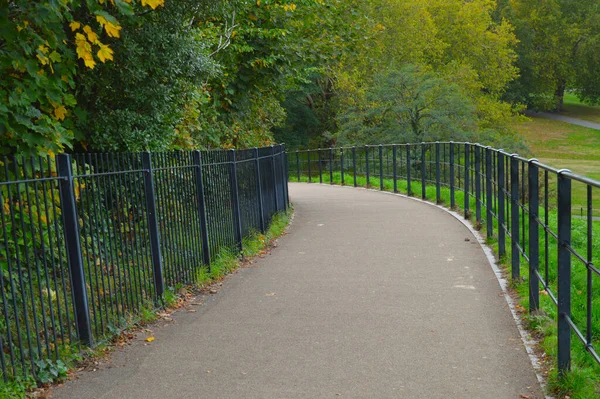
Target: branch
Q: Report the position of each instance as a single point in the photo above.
(225, 39)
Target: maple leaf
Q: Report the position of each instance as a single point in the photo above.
(153, 3)
(60, 112)
(105, 53)
(74, 25)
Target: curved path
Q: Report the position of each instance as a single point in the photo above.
(566, 119)
(368, 296)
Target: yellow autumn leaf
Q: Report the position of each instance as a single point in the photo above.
(74, 25)
(105, 53)
(149, 339)
(60, 112)
(153, 3)
(112, 30)
(92, 36)
(88, 60)
(43, 49)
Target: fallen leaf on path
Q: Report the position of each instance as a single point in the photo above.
(149, 339)
(270, 294)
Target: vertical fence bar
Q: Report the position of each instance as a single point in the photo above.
(284, 173)
(309, 174)
(408, 190)
(320, 166)
(423, 184)
(235, 199)
(297, 164)
(534, 236)
(395, 166)
(438, 183)
(342, 165)
(514, 218)
(488, 192)
(273, 176)
(452, 197)
(367, 165)
(330, 165)
(501, 208)
(467, 178)
(564, 272)
(478, 184)
(354, 163)
(380, 167)
(259, 193)
(202, 208)
(73, 247)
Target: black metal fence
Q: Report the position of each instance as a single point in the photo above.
(548, 216)
(89, 240)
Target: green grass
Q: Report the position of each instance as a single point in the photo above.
(576, 109)
(584, 379)
(563, 145)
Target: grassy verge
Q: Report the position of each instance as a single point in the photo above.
(576, 109)
(225, 262)
(563, 145)
(584, 379)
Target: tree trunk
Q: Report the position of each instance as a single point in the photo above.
(559, 95)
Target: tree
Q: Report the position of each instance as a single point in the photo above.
(558, 45)
(409, 105)
(40, 45)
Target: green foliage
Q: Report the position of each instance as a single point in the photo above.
(559, 42)
(51, 370)
(408, 106)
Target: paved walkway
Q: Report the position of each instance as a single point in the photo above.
(567, 119)
(368, 296)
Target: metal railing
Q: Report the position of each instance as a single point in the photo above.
(89, 240)
(522, 200)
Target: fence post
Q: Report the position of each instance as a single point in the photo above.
(395, 166)
(284, 173)
(273, 176)
(534, 239)
(202, 208)
(367, 166)
(380, 167)
(514, 218)
(564, 272)
(320, 166)
(408, 167)
(259, 194)
(438, 185)
(354, 163)
(73, 247)
(478, 184)
(488, 192)
(342, 164)
(298, 164)
(501, 208)
(423, 188)
(235, 199)
(330, 165)
(452, 197)
(467, 180)
(309, 176)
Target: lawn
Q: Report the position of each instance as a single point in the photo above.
(563, 145)
(576, 109)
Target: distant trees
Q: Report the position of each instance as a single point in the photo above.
(559, 47)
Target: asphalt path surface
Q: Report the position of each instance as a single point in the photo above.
(368, 296)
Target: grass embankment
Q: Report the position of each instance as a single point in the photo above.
(576, 109)
(567, 146)
(225, 262)
(584, 379)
